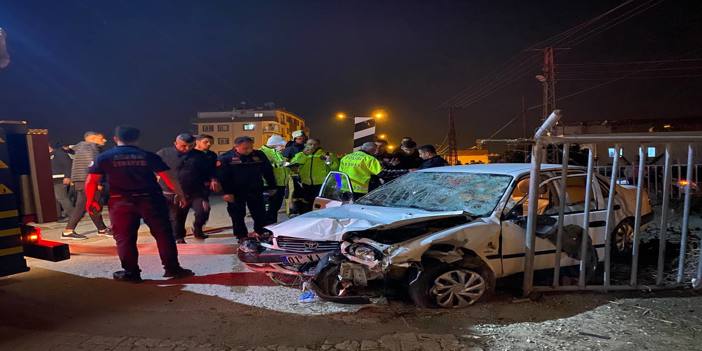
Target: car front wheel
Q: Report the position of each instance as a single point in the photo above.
(449, 287)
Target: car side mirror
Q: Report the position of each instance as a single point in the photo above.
(515, 212)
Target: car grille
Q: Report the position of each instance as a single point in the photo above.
(301, 245)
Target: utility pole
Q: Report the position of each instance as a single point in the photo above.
(548, 82)
(524, 128)
(452, 155)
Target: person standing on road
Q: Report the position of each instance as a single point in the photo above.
(192, 169)
(85, 153)
(431, 159)
(241, 172)
(296, 145)
(361, 166)
(134, 195)
(61, 174)
(272, 149)
(203, 143)
(313, 164)
(292, 148)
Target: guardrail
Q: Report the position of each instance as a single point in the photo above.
(645, 177)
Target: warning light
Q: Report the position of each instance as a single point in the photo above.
(683, 182)
(31, 234)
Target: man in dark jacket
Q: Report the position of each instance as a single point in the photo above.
(193, 170)
(296, 145)
(85, 154)
(408, 156)
(431, 159)
(61, 174)
(241, 172)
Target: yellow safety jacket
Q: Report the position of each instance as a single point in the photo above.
(360, 166)
(277, 160)
(314, 168)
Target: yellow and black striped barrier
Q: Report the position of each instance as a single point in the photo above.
(11, 253)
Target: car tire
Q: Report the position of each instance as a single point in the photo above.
(438, 286)
(622, 241)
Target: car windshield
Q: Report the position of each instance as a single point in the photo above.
(475, 193)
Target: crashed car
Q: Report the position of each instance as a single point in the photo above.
(441, 236)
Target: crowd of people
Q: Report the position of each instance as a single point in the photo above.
(161, 188)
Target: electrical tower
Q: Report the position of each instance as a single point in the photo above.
(452, 154)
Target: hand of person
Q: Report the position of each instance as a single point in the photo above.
(272, 192)
(228, 198)
(395, 161)
(180, 200)
(215, 187)
(100, 187)
(66, 181)
(93, 207)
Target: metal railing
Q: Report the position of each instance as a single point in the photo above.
(642, 178)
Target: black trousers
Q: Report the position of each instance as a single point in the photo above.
(64, 203)
(177, 215)
(309, 193)
(253, 199)
(79, 210)
(126, 214)
(274, 203)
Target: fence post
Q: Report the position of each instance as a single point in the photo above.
(561, 210)
(686, 216)
(662, 235)
(586, 221)
(637, 221)
(609, 226)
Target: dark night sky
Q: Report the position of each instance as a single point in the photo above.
(80, 65)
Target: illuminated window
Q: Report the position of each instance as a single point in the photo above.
(610, 152)
(223, 128)
(651, 151)
(223, 141)
(249, 126)
(258, 114)
(207, 128)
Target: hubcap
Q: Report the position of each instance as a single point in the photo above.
(458, 288)
(624, 237)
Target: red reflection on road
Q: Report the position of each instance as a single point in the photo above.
(226, 279)
(151, 249)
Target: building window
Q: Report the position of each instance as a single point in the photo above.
(249, 126)
(258, 114)
(223, 141)
(651, 151)
(610, 152)
(207, 128)
(223, 128)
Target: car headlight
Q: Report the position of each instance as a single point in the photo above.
(365, 252)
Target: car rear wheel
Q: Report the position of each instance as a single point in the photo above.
(450, 287)
(623, 239)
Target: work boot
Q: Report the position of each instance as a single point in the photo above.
(126, 276)
(177, 273)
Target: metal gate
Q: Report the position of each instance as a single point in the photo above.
(543, 139)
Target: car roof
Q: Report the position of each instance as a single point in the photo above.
(513, 169)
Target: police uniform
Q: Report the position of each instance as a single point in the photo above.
(193, 171)
(360, 167)
(134, 195)
(282, 175)
(242, 176)
(313, 169)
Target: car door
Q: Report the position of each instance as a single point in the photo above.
(514, 225)
(336, 191)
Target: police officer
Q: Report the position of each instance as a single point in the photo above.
(192, 169)
(361, 166)
(135, 194)
(241, 172)
(272, 149)
(313, 164)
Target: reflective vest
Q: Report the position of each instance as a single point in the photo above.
(313, 169)
(360, 166)
(277, 160)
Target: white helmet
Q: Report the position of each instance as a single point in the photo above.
(275, 140)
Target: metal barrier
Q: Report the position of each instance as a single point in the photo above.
(543, 139)
(653, 177)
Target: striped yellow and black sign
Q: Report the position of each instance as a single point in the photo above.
(11, 254)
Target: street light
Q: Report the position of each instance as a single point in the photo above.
(379, 114)
(340, 116)
(382, 136)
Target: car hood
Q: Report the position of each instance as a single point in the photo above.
(331, 224)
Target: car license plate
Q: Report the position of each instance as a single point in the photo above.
(300, 259)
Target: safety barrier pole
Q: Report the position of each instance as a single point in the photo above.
(663, 233)
(586, 221)
(530, 238)
(637, 221)
(610, 217)
(686, 215)
(561, 214)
